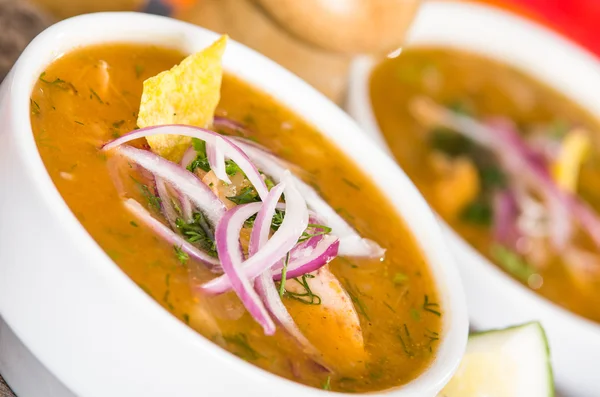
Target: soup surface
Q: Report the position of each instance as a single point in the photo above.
(92, 95)
(417, 95)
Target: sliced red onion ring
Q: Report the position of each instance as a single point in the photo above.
(219, 121)
(264, 283)
(230, 149)
(186, 182)
(167, 234)
(186, 207)
(227, 237)
(501, 137)
(216, 159)
(165, 201)
(283, 240)
(189, 156)
(351, 243)
(313, 259)
(506, 213)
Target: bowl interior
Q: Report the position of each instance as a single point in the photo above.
(291, 92)
(512, 40)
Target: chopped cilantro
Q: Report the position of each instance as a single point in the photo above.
(60, 83)
(327, 384)
(479, 212)
(400, 278)
(512, 262)
(431, 307)
(242, 347)
(94, 94)
(195, 232)
(247, 195)
(153, 200)
(139, 69)
(231, 168)
(201, 160)
(181, 256)
(35, 108)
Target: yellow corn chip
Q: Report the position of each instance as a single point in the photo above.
(186, 94)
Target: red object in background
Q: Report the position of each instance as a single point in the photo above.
(578, 20)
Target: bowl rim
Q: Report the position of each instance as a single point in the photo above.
(359, 89)
(58, 39)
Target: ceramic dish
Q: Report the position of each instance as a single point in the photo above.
(77, 314)
(494, 299)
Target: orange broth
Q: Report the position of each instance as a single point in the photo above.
(482, 87)
(73, 112)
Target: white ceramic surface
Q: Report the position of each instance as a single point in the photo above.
(88, 323)
(493, 298)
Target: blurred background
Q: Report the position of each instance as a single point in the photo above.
(286, 30)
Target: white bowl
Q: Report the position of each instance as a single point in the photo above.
(493, 298)
(84, 319)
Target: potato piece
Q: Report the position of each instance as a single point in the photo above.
(186, 94)
(457, 186)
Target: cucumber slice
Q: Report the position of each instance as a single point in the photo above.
(513, 362)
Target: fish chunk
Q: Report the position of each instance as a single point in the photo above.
(333, 326)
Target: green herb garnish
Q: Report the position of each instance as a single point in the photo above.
(512, 262)
(152, 199)
(355, 293)
(247, 195)
(449, 142)
(186, 318)
(306, 297)
(182, 257)
(35, 108)
(400, 278)
(132, 223)
(431, 307)
(94, 94)
(405, 340)
(479, 212)
(284, 275)
(269, 182)
(59, 83)
(320, 230)
(195, 232)
(327, 384)
(201, 160)
(139, 69)
(231, 168)
(351, 184)
(414, 313)
(389, 306)
(244, 350)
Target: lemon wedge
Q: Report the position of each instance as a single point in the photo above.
(574, 149)
(514, 362)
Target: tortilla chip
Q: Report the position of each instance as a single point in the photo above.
(186, 94)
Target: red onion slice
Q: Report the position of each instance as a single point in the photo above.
(264, 283)
(312, 259)
(524, 164)
(216, 159)
(165, 201)
(186, 182)
(227, 237)
(506, 213)
(351, 243)
(230, 150)
(189, 156)
(168, 235)
(283, 240)
(219, 121)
